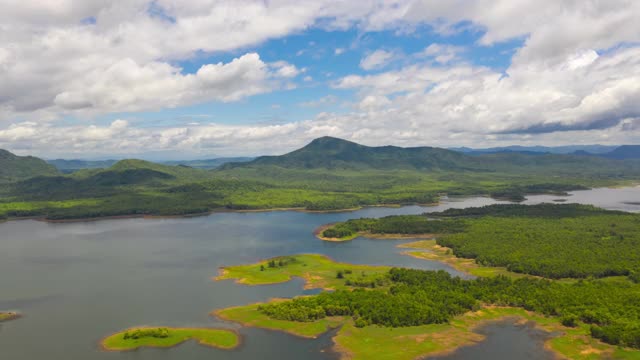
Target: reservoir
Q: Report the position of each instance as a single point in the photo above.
(78, 282)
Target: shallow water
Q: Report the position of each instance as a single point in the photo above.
(525, 342)
(78, 282)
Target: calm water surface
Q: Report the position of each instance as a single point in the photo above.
(525, 342)
(77, 282)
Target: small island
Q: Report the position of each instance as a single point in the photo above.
(318, 271)
(165, 337)
(7, 316)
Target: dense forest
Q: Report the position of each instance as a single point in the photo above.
(549, 240)
(417, 297)
(397, 224)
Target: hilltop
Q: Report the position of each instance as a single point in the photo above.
(13, 167)
(333, 153)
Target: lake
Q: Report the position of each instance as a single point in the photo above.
(78, 282)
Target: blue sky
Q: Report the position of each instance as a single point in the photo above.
(325, 57)
(196, 78)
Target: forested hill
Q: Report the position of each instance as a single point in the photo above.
(333, 153)
(13, 167)
(624, 152)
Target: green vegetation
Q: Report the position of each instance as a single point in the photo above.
(599, 245)
(399, 224)
(327, 174)
(430, 250)
(6, 316)
(611, 310)
(318, 271)
(549, 240)
(167, 337)
(13, 167)
(250, 316)
(544, 210)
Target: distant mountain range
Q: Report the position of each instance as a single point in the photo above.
(333, 153)
(68, 166)
(612, 152)
(326, 174)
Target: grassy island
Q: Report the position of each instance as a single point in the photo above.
(595, 316)
(408, 343)
(318, 271)
(164, 337)
(250, 315)
(6, 316)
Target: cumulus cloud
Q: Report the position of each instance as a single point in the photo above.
(442, 53)
(577, 70)
(376, 60)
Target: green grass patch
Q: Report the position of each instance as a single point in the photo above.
(318, 271)
(430, 250)
(167, 337)
(250, 316)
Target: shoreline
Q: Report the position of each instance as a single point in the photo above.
(297, 209)
(218, 313)
(239, 336)
(320, 229)
(208, 213)
(306, 277)
(526, 318)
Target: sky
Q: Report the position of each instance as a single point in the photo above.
(186, 79)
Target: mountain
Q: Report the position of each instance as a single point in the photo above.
(333, 153)
(13, 167)
(123, 176)
(69, 166)
(567, 149)
(328, 153)
(624, 152)
(208, 163)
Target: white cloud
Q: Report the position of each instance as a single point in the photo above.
(323, 101)
(337, 51)
(577, 69)
(442, 53)
(377, 59)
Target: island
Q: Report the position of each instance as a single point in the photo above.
(165, 337)
(318, 271)
(7, 316)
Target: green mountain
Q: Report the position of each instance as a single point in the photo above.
(337, 154)
(332, 153)
(624, 152)
(208, 163)
(70, 166)
(13, 167)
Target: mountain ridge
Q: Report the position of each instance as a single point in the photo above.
(14, 167)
